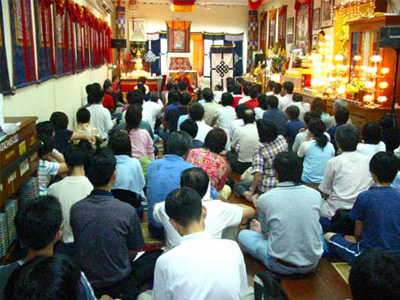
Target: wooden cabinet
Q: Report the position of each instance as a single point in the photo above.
(364, 41)
(358, 115)
(18, 156)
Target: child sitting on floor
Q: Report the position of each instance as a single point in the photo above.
(50, 163)
(84, 127)
(376, 213)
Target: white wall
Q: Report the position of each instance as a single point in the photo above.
(232, 19)
(62, 94)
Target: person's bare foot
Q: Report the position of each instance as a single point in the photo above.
(256, 226)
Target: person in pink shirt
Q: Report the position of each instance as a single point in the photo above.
(142, 144)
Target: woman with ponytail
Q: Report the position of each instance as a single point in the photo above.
(316, 150)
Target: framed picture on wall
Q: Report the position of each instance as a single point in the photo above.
(282, 24)
(303, 26)
(289, 30)
(316, 19)
(326, 13)
(271, 28)
(137, 30)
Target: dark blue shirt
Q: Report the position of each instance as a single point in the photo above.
(291, 130)
(197, 144)
(62, 138)
(105, 231)
(379, 210)
(276, 116)
(332, 133)
(172, 116)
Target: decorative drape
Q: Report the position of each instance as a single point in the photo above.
(22, 42)
(254, 5)
(303, 28)
(45, 39)
(282, 13)
(252, 35)
(222, 64)
(263, 31)
(271, 28)
(163, 51)
(210, 39)
(237, 41)
(4, 77)
(183, 5)
(196, 39)
(59, 37)
(153, 52)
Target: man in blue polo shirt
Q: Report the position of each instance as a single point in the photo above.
(163, 175)
(107, 233)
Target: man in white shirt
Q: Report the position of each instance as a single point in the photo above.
(372, 143)
(240, 109)
(196, 113)
(100, 117)
(302, 106)
(70, 190)
(244, 141)
(287, 94)
(246, 92)
(209, 106)
(152, 109)
(345, 176)
(200, 267)
(220, 215)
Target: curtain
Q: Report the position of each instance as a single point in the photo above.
(22, 43)
(252, 35)
(222, 64)
(44, 39)
(163, 52)
(196, 39)
(210, 39)
(4, 77)
(237, 41)
(263, 31)
(153, 52)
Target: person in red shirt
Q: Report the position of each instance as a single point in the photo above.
(108, 98)
(115, 84)
(237, 95)
(183, 77)
(253, 102)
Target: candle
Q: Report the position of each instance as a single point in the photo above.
(369, 84)
(376, 58)
(368, 98)
(383, 85)
(357, 57)
(385, 71)
(382, 99)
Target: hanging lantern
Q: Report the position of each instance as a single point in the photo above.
(183, 5)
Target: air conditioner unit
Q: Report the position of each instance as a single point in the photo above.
(106, 5)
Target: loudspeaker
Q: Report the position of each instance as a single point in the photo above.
(389, 37)
(118, 43)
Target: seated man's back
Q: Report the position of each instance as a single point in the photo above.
(292, 222)
(105, 230)
(201, 268)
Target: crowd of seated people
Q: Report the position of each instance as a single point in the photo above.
(312, 184)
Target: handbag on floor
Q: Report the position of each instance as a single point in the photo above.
(267, 286)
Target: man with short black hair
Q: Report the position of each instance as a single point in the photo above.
(38, 225)
(163, 175)
(171, 117)
(196, 113)
(287, 237)
(372, 144)
(376, 213)
(190, 127)
(286, 95)
(108, 101)
(341, 118)
(100, 116)
(209, 106)
(375, 275)
(275, 115)
(107, 232)
(200, 267)
(70, 190)
(293, 126)
(345, 175)
(244, 141)
(221, 215)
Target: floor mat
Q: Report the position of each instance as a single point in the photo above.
(343, 269)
